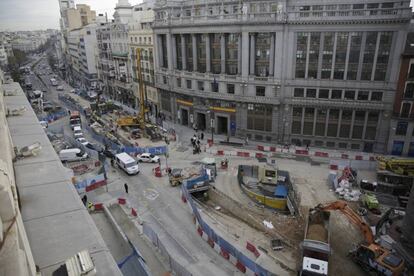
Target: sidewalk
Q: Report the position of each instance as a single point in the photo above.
(184, 135)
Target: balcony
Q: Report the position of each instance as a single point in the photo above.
(125, 85)
(220, 96)
(175, 18)
(341, 104)
(120, 55)
(397, 14)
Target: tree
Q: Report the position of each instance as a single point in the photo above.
(20, 57)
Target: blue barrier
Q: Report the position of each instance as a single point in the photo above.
(246, 261)
(54, 116)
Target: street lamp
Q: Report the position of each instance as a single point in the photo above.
(211, 125)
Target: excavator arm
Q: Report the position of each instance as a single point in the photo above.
(352, 216)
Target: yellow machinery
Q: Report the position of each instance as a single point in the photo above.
(397, 166)
(139, 120)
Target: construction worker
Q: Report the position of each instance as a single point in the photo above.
(90, 206)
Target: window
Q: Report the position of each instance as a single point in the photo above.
(260, 91)
(230, 88)
(200, 85)
(311, 93)
(214, 86)
(189, 84)
(387, 5)
(409, 91)
(330, 144)
(88, 32)
(349, 95)
(301, 51)
(355, 146)
(179, 82)
(358, 6)
(336, 94)
(164, 79)
(401, 128)
(376, 96)
(149, 40)
(363, 95)
(411, 72)
(372, 6)
(259, 117)
(405, 110)
(327, 55)
(298, 93)
(323, 94)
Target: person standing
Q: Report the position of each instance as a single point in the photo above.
(202, 135)
(84, 199)
(126, 188)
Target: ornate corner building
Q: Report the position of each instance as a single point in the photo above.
(319, 73)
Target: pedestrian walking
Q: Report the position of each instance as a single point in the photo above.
(126, 188)
(202, 136)
(84, 200)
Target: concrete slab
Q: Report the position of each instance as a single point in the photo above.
(47, 172)
(53, 239)
(29, 129)
(43, 205)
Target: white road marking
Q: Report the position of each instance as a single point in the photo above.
(151, 194)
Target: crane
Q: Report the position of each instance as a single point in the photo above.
(138, 120)
(368, 254)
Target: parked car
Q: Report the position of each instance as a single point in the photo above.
(59, 88)
(73, 154)
(82, 140)
(149, 158)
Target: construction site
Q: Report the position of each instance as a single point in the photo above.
(251, 209)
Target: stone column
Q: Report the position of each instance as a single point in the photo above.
(245, 53)
(174, 51)
(239, 54)
(208, 54)
(169, 52)
(194, 45)
(160, 51)
(252, 53)
(272, 54)
(183, 53)
(223, 53)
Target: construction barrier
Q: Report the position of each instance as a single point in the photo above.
(220, 245)
(53, 117)
(90, 184)
(176, 267)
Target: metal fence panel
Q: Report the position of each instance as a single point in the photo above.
(152, 236)
(178, 269)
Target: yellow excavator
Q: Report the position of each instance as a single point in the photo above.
(397, 166)
(368, 254)
(139, 120)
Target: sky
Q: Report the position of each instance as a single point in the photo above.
(22, 15)
(28, 15)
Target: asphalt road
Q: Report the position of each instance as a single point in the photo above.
(156, 201)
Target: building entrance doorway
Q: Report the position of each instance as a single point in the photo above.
(222, 125)
(201, 121)
(184, 117)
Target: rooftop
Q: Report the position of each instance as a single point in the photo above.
(57, 223)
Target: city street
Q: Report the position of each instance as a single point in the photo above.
(157, 202)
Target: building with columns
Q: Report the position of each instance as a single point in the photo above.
(140, 35)
(318, 73)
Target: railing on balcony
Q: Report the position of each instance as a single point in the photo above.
(281, 16)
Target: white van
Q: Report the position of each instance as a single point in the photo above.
(127, 163)
(77, 132)
(73, 154)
